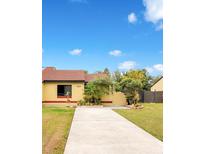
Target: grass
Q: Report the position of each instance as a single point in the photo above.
(56, 125)
(150, 118)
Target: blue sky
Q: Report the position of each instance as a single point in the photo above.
(94, 34)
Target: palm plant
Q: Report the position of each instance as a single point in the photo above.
(95, 89)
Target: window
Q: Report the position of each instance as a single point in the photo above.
(64, 90)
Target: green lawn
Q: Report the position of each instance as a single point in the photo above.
(56, 125)
(150, 118)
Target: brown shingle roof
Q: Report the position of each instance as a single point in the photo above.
(51, 74)
(90, 77)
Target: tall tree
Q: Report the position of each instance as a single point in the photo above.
(106, 71)
(141, 75)
(131, 88)
(132, 83)
(117, 76)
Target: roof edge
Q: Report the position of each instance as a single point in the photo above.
(63, 81)
(157, 81)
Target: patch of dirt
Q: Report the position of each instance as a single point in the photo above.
(51, 144)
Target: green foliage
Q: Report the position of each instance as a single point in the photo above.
(85, 103)
(95, 89)
(91, 94)
(81, 103)
(117, 76)
(132, 83)
(141, 75)
(131, 87)
(106, 71)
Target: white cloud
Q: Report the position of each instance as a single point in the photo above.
(149, 69)
(132, 18)
(75, 52)
(158, 67)
(154, 12)
(159, 26)
(155, 68)
(127, 65)
(115, 53)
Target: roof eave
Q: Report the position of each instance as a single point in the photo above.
(63, 81)
(156, 81)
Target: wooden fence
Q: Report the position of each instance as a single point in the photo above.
(152, 96)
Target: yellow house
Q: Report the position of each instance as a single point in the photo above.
(158, 85)
(60, 85)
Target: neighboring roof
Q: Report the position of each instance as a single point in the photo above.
(157, 81)
(52, 74)
(89, 77)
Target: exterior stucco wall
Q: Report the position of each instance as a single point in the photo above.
(117, 98)
(158, 86)
(43, 92)
(50, 91)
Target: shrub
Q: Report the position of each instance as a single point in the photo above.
(95, 89)
(81, 102)
(87, 103)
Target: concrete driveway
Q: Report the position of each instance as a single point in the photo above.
(102, 131)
